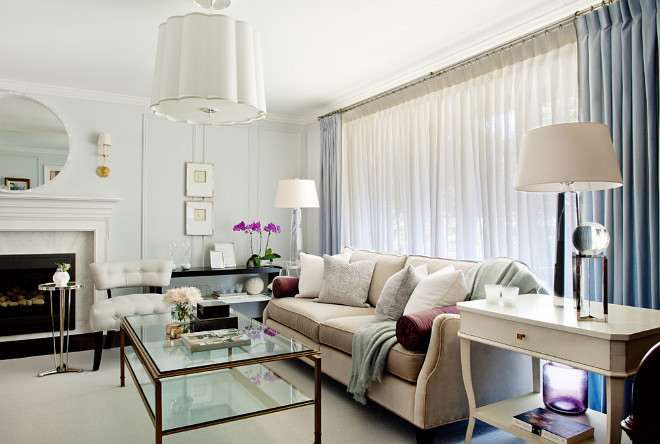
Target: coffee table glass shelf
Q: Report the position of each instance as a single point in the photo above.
(184, 391)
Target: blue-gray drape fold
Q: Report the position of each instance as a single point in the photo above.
(618, 84)
(330, 186)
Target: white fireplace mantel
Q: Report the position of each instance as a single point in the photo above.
(28, 212)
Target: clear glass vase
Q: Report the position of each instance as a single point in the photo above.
(564, 388)
(181, 315)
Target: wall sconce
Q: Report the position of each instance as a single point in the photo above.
(106, 140)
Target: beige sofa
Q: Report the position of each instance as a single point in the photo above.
(424, 387)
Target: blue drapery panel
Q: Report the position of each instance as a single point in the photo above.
(330, 186)
(618, 84)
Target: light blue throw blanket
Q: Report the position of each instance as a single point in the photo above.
(371, 344)
(506, 272)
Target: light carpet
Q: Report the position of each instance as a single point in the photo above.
(90, 407)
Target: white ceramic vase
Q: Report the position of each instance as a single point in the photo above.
(61, 278)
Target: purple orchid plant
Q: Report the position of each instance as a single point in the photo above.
(255, 227)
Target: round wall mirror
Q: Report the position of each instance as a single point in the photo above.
(34, 144)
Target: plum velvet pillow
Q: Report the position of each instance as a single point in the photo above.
(396, 292)
(413, 331)
(285, 286)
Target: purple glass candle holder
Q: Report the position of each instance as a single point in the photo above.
(564, 388)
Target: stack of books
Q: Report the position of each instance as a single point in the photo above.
(213, 340)
(553, 427)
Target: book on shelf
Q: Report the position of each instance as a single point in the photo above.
(552, 426)
(213, 340)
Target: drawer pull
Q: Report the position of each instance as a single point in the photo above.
(520, 336)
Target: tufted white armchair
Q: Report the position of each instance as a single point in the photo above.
(105, 315)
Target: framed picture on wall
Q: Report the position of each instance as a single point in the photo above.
(17, 184)
(50, 171)
(227, 249)
(199, 218)
(199, 179)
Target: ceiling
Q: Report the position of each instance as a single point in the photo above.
(319, 55)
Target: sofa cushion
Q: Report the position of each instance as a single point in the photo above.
(338, 333)
(386, 266)
(397, 291)
(305, 315)
(311, 274)
(345, 284)
(435, 264)
(444, 287)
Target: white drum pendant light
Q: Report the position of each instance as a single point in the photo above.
(208, 70)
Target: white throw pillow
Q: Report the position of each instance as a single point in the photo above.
(311, 274)
(444, 287)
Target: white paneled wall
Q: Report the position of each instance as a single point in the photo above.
(147, 162)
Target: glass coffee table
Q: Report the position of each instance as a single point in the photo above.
(184, 391)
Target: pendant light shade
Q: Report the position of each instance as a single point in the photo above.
(208, 71)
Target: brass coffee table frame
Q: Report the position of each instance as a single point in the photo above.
(126, 332)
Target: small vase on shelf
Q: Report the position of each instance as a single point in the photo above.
(61, 276)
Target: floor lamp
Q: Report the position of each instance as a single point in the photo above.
(296, 194)
(567, 158)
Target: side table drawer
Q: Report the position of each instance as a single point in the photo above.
(538, 339)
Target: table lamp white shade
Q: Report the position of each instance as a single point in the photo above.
(580, 154)
(104, 139)
(296, 194)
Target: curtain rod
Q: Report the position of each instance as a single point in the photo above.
(473, 59)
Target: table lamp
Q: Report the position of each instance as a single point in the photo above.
(296, 194)
(567, 158)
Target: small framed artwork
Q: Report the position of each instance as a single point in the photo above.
(227, 249)
(217, 259)
(17, 184)
(199, 179)
(50, 171)
(199, 218)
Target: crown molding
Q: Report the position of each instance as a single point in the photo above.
(77, 93)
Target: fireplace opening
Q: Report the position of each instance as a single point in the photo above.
(23, 308)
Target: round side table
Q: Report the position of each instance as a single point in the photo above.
(65, 305)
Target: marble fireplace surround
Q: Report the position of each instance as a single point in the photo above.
(31, 224)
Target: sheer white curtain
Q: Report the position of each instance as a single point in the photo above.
(431, 171)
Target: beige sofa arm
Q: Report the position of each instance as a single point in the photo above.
(440, 396)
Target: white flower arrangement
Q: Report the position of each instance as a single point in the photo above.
(182, 300)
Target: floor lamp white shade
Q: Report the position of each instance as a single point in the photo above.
(567, 158)
(296, 194)
(208, 71)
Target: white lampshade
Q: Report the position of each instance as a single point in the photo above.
(104, 139)
(208, 71)
(296, 193)
(580, 154)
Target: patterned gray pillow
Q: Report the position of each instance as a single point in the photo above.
(397, 291)
(346, 284)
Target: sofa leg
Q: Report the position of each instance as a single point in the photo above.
(98, 349)
(423, 436)
(108, 338)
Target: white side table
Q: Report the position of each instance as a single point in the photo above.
(65, 305)
(536, 328)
